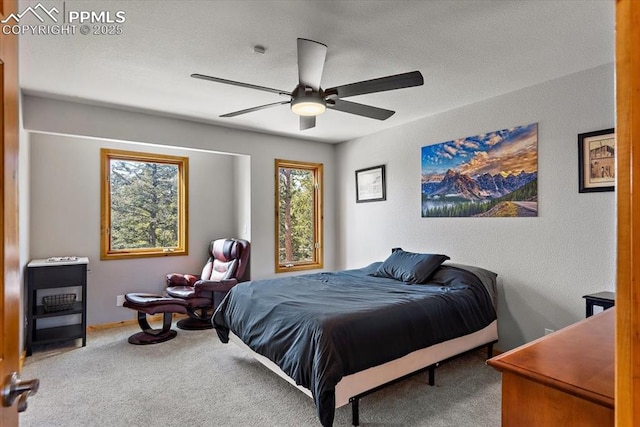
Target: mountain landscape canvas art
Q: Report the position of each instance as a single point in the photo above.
(488, 175)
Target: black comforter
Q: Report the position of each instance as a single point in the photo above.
(320, 327)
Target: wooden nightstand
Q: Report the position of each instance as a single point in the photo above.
(601, 299)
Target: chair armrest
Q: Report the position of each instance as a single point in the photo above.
(179, 279)
(215, 285)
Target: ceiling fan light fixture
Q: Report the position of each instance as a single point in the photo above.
(307, 102)
(305, 107)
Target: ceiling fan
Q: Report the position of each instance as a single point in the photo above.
(308, 99)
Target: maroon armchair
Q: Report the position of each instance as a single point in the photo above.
(225, 268)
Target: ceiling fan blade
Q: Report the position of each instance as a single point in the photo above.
(381, 84)
(307, 122)
(361, 109)
(260, 107)
(311, 56)
(247, 85)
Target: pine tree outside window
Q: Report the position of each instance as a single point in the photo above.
(144, 205)
(298, 226)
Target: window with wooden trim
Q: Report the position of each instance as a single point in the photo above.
(143, 205)
(298, 219)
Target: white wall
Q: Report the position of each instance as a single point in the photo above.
(242, 196)
(46, 118)
(545, 264)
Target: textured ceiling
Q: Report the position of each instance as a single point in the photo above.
(466, 50)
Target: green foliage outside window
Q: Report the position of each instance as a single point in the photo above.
(297, 236)
(144, 205)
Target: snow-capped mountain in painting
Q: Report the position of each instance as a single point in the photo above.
(471, 176)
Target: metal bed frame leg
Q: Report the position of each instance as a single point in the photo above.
(489, 350)
(432, 374)
(355, 411)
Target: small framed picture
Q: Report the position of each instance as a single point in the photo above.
(597, 161)
(370, 185)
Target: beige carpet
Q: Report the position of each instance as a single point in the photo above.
(196, 380)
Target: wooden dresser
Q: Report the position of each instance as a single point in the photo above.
(563, 379)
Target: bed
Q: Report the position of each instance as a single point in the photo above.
(339, 335)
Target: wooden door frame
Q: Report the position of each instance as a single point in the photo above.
(627, 375)
(10, 299)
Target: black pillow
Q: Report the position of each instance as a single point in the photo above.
(410, 267)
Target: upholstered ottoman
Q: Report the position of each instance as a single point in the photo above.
(152, 304)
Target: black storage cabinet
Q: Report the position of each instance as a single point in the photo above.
(45, 274)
